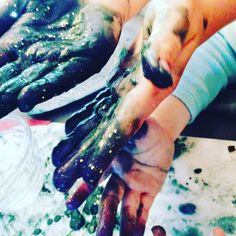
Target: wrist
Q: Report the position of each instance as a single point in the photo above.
(172, 115)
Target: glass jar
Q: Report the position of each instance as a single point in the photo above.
(21, 167)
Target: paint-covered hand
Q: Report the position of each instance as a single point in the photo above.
(139, 172)
(173, 30)
(47, 47)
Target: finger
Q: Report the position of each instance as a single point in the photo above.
(143, 212)
(71, 143)
(169, 29)
(137, 180)
(218, 232)
(65, 176)
(7, 56)
(85, 111)
(79, 196)
(158, 231)
(130, 205)
(63, 78)
(111, 197)
(10, 90)
(9, 71)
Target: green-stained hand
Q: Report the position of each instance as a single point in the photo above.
(47, 47)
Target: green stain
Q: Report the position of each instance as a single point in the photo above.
(91, 227)
(178, 185)
(190, 231)
(77, 221)
(49, 221)
(45, 189)
(37, 231)
(57, 218)
(91, 207)
(234, 202)
(181, 147)
(228, 224)
(11, 218)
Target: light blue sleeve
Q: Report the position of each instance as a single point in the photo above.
(211, 68)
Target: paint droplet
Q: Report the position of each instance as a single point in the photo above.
(198, 171)
(231, 148)
(187, 209)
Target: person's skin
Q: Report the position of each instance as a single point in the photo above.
(175, 28)
(147, 158)
(48, 48)
(139, 171)
(140, 84)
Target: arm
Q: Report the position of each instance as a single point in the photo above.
(218, 14)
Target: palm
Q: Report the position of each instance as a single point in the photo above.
(51, 47)
(146, 159)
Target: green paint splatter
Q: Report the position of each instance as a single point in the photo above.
(178, 185)
(190, 231)
(49, 221)
(37, 231)
(77, 221)
(11, 218)
(91, 206)
(181, 147)
(45, 189)
(91, 227)
(57, 218)
(228, 224)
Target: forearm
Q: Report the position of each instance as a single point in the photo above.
(127, 8)
(172, 115)
(217, 14)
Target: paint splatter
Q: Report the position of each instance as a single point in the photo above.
(187, 209)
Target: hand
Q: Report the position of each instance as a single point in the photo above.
(173, 30)
(99, 130)
(95, 135)
(47, 49)
(139, 172)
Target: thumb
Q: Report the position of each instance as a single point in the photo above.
(218, 232)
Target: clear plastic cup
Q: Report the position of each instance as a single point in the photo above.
(21, 167)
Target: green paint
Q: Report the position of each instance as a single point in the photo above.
(234, 202)
(91, 206)
(1, 215)
(11, 218)
(57, 218)
(37, 231)
(190, 231)
(178, 185)
(91, 227)
(49, 221)
(77, 221)
(45, 189)
(181, 147)
(228, 224)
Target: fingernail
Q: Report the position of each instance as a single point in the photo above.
(158, 231)
(157, 74)
(164, 65)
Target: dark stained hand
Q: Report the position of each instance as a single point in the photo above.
(97, 133)
(47, 47)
